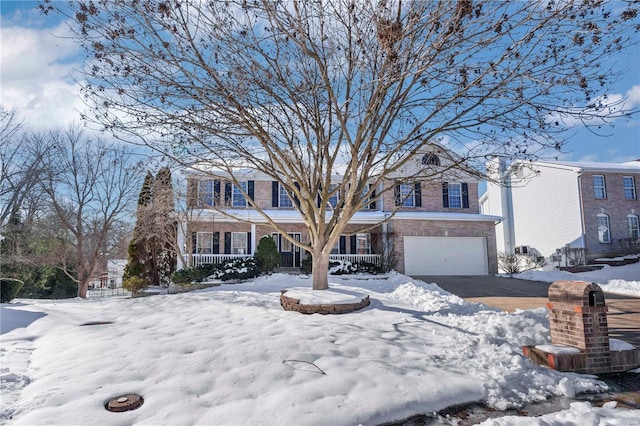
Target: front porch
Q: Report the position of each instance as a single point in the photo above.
(203, 259)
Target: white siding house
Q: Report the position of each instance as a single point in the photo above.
(550, 205)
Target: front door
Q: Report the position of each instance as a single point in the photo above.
(289, 253)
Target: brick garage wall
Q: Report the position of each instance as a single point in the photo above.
(615, 206)
(437, 229)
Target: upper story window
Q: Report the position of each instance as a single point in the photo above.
(205, 193)
(407, 197)
(629, 185)
(333, 200)
(633, 225)
(455, 195)
(284, 200)
(599, 190)
(604, 234)
(369, 194)
(237, 199)
(280, 197)
(430, 160)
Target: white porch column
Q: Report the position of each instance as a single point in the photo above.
(253, 238)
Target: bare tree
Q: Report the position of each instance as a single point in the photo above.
(296, 88)
(21, 156)
(90, 186)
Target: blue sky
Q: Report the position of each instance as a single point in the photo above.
(37, 65)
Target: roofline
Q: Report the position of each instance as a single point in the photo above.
(359, 218)
(581, 167)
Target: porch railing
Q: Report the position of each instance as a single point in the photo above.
(376, 259)
(201, 259)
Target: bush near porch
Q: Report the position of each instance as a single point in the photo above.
(236, 269)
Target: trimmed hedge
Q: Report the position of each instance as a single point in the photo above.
(9, 287)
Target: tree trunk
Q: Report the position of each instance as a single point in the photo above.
(320, 274)
(83, 287)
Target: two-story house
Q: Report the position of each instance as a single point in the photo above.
(437, 228)
(551, 205)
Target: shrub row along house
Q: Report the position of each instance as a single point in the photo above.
(430, 227)
(550, 207)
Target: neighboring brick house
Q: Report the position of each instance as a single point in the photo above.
(438, 229)
(548, 206)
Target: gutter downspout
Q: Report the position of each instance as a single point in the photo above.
(581, 207)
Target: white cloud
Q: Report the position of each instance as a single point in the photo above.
(602, 111)
(37, 64)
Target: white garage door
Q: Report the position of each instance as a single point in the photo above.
(445, 256)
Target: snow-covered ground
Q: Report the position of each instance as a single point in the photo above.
(612, 279)
(231, 355)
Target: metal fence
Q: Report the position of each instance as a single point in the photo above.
(97, 293)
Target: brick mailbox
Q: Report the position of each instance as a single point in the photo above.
(579, 332)
(578, 318)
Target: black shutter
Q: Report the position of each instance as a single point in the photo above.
(445, 194)
(251, 189)
(227, 193)
(295, 197)
(216, 243)
(343, 244)
(194, 242)
(396, 191)
(353, 244)
(216, 192)
(227, 243)
(274, 194)
(465, 196)
(372, 205)
(417, 193)
(248, 242)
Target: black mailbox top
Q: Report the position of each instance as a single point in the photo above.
(576, 293)
(596, 298)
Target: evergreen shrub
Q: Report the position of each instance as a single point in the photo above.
(9, 287)
(267, 254)
(134, 284)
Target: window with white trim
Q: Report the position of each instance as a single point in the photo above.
(604, 234)
(363, 243)
(284, 200)
(633, 226)
(336, 248)
(406, 195)
(239, 243)
(205, 193)
(333, 200)
(455, 195)
(629, 186)
(599, 190)
(237, 199)
(204, 242)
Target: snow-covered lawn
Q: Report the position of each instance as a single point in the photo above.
(612, 279)
(231, 355)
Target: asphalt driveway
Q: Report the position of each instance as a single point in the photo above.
(510, 294)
